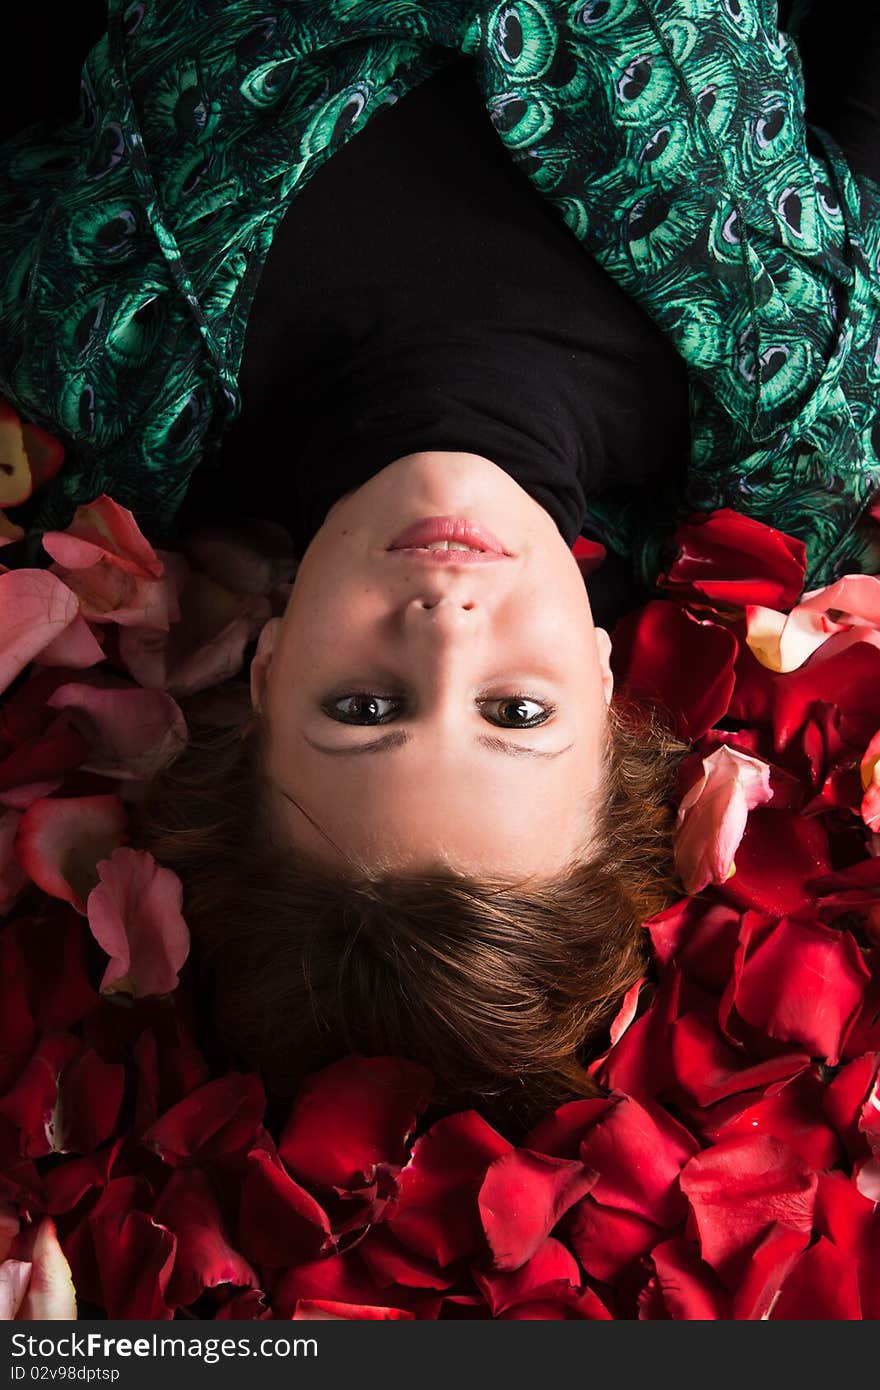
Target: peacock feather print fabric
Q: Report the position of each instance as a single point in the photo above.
(669, 135)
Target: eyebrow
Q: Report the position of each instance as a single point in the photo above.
(398, 737)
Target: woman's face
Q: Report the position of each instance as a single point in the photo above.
(448, 662)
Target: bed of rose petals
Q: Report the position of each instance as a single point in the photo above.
(730, 1171)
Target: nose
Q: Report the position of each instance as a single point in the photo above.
(439, 619)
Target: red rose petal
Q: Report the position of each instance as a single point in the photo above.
(390, 1263)
(778, 854)
(688, 1286)
(12, 876)
(738, 1190)
(352, 1115)
(638, 1151)
(204, 1256)
(607, 1241)
(221, 1117)
(664, 656)
(279, 1223)
(134, 1253)
(801, 983)
(322, 1310)
(523, 1195)
(823, 1284)
(550, 1264)
(709, 1070)
(437, 1214)
(731, 559)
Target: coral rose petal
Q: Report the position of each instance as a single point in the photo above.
(134, 914)
(76, 647)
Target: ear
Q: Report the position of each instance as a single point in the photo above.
(603, 644)
(262, 661)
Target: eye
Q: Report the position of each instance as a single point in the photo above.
(362, 708)
(515, 714)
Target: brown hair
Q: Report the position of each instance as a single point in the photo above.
(497, 989)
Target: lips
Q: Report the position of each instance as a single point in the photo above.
(450, 528)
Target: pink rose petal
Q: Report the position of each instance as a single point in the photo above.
(77, 647)
(712, 816)
(134, 733)
(35, 608)
(104, 530)
(61, 840)
(134, 914)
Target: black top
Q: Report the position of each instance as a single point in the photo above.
(420, 294)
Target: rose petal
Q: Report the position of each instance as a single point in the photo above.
(134, 914)
(638, 1151)
(550, 1263)
(322, 1310)
(76, 647)
(133, 733)
(204, 1257)
(279, 1222)
(712, 816)
(35, 607)
(14, 1278)
(12, 876)
(801, 983)
(350, 1116)
(135, 1254)
(522, 1197)
(738, 1190)
(437, 1214)
(731, 559)
(220, 1118)
(61, 841)
(688, 1286)
(823, 1284)
(663, 655)
(103, 530)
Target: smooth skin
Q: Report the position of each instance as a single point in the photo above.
(445, 654)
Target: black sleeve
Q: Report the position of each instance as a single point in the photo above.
(46, 44)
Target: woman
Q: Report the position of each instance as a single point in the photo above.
(467, 896)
